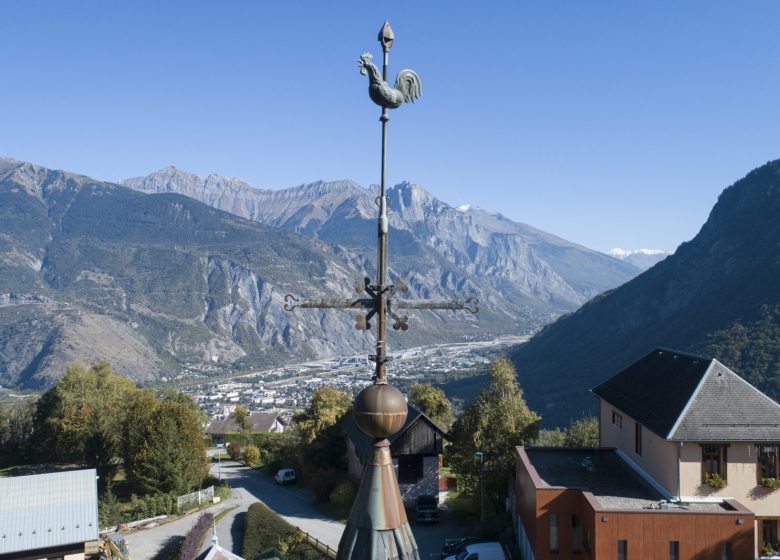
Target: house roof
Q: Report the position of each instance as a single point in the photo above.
(684, 397)
(47, 510)
(363, 442)
(259, 422)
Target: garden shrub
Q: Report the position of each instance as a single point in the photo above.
(194, 539)
(343, 495)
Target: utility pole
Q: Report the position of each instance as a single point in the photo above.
(481, 486)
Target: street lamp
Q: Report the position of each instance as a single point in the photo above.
(481, 486)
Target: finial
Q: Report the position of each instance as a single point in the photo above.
(386, 36)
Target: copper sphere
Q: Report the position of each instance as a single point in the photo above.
(379, 410)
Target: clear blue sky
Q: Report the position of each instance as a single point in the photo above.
(608, 123)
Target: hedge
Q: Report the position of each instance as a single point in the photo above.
(264, 530)
(194, 539)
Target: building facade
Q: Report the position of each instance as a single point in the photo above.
(697, 432)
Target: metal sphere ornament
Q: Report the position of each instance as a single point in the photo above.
(379, 410)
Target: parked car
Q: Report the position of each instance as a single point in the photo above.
(427, 509)
(482, 551)
(285, 476)
(453, 547)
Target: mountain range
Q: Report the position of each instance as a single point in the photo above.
(717, 296)
(641, 258)
(154, 282)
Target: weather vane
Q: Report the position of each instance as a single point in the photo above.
(377, 527)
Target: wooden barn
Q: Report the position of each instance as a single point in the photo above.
(416, 449)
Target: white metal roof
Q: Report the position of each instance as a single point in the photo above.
(45, 510)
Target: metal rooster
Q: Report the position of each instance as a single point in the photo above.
(407, 85)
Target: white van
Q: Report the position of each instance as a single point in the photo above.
(481, 551)
(285, 476)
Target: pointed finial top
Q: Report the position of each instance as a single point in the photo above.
(386, 36)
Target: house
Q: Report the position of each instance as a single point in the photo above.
(415, 448)
(687, 459)
(589, 504)
(50, 516)
(688, 425)
(260, 422)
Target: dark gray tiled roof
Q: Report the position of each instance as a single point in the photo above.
(728, 408)
(689, 398)
(655, 390)
(260, 422)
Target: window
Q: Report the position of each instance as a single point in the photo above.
(768, 534)
(768, 461)
(638, 438)
(622, 550)
(554, 533)
(576, 534)
(674, 550)
(725, 551)
(617, 420)
(713, 461)
(410, 468)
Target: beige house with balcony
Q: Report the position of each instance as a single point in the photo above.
(697, 432)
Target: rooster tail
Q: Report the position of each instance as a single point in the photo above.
(408, 83)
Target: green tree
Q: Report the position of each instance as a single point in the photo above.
(551, 438)
(172, 457)
(583, 432)
(498, 420)
(16, 431)
(251, 455)
(433, 402)
(327, 407)
(322, 438)
(81, 418)
(241, 418)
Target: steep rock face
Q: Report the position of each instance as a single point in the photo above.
(718, 295)
(525, 276)
(94, 270)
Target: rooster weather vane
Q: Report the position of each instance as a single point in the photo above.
(377, 526)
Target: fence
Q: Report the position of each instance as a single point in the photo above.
(189, 501)
(319, 545)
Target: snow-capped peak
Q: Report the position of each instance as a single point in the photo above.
(623, 253)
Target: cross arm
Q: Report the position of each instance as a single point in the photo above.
(471, 304)
(291, 302)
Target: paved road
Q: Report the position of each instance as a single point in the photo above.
(294, 503)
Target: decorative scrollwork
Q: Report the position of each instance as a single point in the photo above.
(290, 302)
(472, 305)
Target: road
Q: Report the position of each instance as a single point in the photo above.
(294, 503)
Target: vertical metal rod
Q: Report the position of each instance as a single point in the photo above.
(381, 326)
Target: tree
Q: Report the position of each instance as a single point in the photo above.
(241, 417)
(433, 402)
(327, 407)
(497, 421)
(323, 443)
(81, 418)
(16, 431)
(583, 432)
(172, 457)
(551, 438)
(251, 455)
